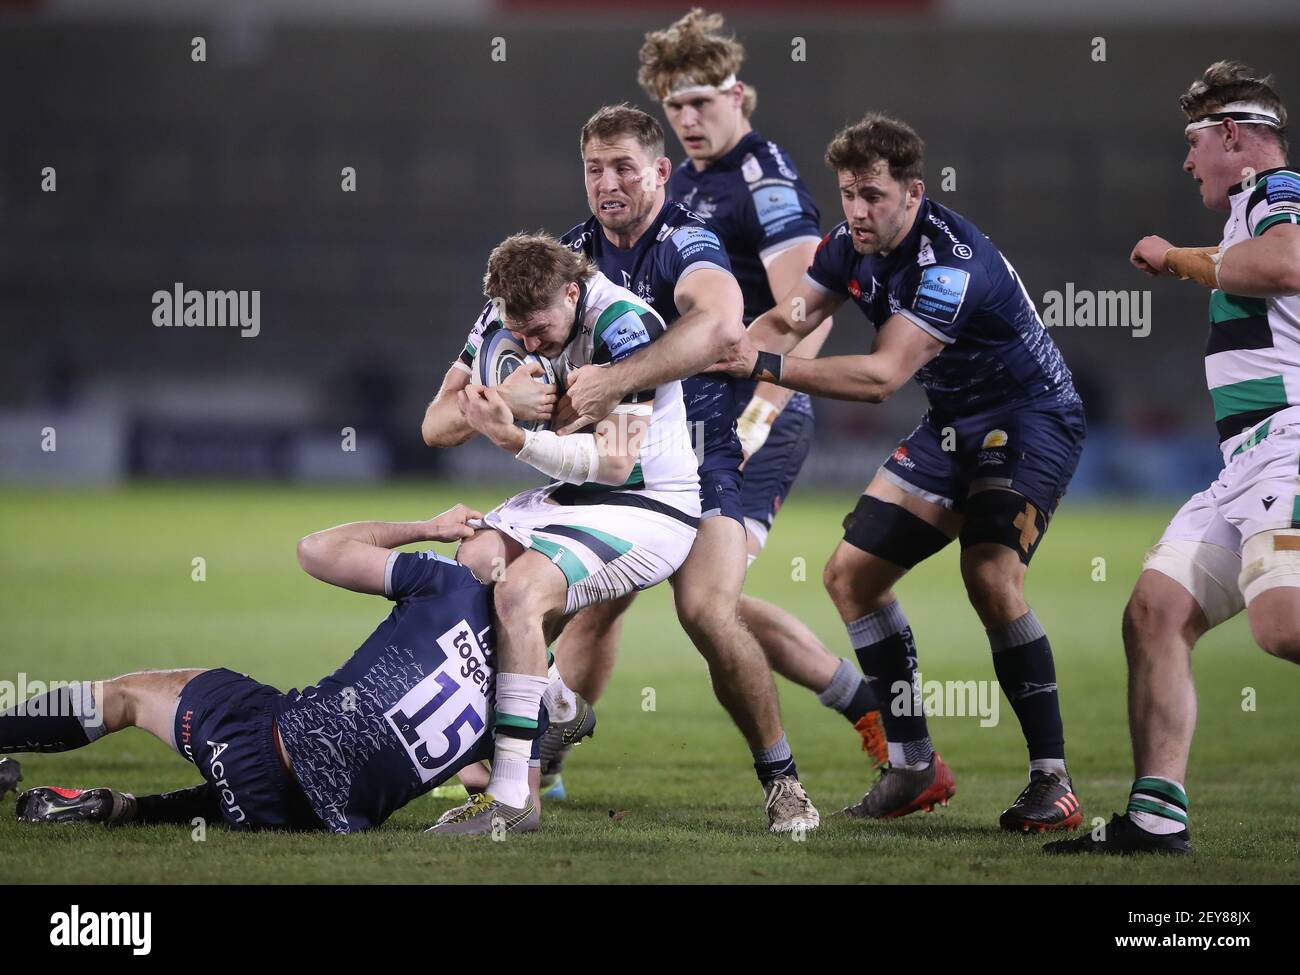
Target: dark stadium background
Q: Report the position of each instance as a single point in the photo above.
(226, 175)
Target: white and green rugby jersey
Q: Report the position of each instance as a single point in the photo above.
(611, 323)
(1252, 359)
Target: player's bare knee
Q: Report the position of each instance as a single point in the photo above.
(1270, 584)
(1275, 622)
(118, 702)
(1279, 642)
(518, 597)
(704, 614)
(1153, 620)
(995, 590)
(853, 592)
(482, 555)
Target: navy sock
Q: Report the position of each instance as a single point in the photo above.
(849, 693)
(885, 648)
(773, 761)
(57, 721)
(182, 806)
(1022, 659)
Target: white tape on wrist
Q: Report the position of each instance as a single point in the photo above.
(572, 459)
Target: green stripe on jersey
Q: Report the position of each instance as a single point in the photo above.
(1226, 308)
(572, 567)
(1274, 219)
(635, 482)
(620, 545)
(1248, 396)
(1260, 433)
(610, 315)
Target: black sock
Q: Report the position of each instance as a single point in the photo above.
(849, 693)
(1022, 659)
(181, 806)
(885, 648)
(57, 721)
(773, 761)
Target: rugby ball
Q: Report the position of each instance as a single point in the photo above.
(499, 356)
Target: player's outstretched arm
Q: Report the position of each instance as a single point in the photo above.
(355, 556)
(901, 349)
(606, 457)
(711, 311)
(1267, 266)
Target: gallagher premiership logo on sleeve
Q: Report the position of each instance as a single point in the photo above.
(694, 240)
(940, 293)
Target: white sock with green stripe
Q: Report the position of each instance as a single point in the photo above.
(518, 701)
(1158, 805)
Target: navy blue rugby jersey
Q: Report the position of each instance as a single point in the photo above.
(678, 243)
(951, 281)
(408, 708)
(756, 201)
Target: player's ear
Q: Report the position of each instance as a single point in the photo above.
(1231, 134)
(915, 192)
(663, 170)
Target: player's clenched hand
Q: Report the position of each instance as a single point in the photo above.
(527, 398)
(1149, 255)
(591, 396)
(740, 361)
(485, 411)
(450, 526)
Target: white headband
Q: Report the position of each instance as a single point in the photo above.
(1243, 113)
(689, 86)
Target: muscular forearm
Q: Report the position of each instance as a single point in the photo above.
(691, 345)
(773, 332)
(1265, 267)
(443, 425)
(808, 348)
(382, 534)
(849, 377)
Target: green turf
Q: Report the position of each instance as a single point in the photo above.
(93, 584)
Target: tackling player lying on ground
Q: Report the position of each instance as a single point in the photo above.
(988, 463)
(750, 195)
(671, 258)
(1236, 544)
(409, 708)
(622, 511)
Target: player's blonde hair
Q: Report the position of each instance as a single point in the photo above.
(1225, 82)
(613, 121)
(525, 272)
(693, 50)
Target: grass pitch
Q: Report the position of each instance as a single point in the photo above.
(93, 584)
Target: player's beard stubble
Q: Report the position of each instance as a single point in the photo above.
(639, 211)
(888, 236)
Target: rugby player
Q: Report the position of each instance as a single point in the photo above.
(409, 708)
(621, 512)
(749, 192)
(988, 463)
(1236, 544)
(675, 262)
